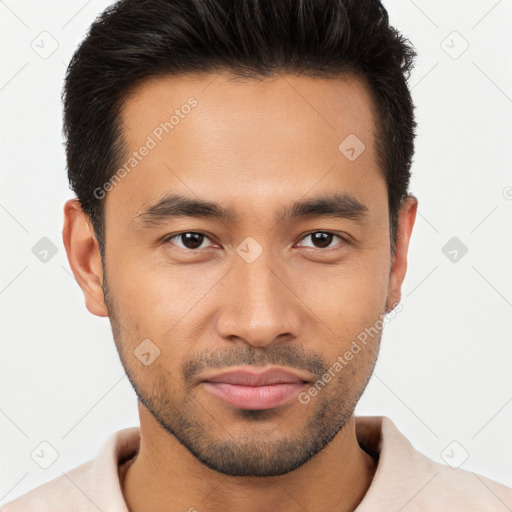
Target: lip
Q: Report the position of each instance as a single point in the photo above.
(249, 377)
(247, 389)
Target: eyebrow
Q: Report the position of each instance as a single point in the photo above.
(337, 205)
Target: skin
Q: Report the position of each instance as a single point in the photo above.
(253, 146)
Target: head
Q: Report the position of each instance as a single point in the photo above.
(241, 172)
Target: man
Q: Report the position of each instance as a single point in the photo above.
(243, 219)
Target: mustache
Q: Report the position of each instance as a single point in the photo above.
(290, 356)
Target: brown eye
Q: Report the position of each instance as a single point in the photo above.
(190, 240)
(321, 239)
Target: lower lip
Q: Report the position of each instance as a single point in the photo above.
(255, 397)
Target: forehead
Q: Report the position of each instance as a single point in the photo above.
(235, 139)
(330, 104)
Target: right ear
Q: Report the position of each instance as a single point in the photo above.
(84, 256)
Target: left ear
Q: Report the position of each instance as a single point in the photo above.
(406, 219)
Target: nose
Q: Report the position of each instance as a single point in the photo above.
(259, 304)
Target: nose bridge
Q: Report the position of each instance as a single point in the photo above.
(259, 306)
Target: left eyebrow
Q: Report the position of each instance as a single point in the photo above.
(337, 205)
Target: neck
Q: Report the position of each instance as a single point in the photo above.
(166, 476)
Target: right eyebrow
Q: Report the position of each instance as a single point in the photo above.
(177, 205)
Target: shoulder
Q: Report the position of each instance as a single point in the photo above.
(57, 495)
(465, 490)
(92, 486)
(407, 479)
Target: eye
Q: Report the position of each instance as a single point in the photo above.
(322, 239)
(191, 240)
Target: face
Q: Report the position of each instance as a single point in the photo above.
(287, 265)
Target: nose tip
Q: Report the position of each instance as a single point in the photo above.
(258, 306)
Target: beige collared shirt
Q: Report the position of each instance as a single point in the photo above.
(405, 479)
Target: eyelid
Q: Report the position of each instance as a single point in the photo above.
(344, 238)
(168, 238)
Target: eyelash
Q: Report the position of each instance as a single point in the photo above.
(177, 235)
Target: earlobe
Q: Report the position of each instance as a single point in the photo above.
(84, 256)
(406, 221)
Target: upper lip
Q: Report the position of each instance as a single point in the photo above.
(250, 377)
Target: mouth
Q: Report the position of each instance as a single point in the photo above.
(247, 389)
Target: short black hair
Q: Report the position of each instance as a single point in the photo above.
(135, 40)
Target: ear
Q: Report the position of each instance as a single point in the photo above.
(84, 256)
(406, 219)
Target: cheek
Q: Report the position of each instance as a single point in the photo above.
(348, 302)
(159, 297)
(355, 289)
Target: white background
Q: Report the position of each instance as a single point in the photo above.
(444, 370)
